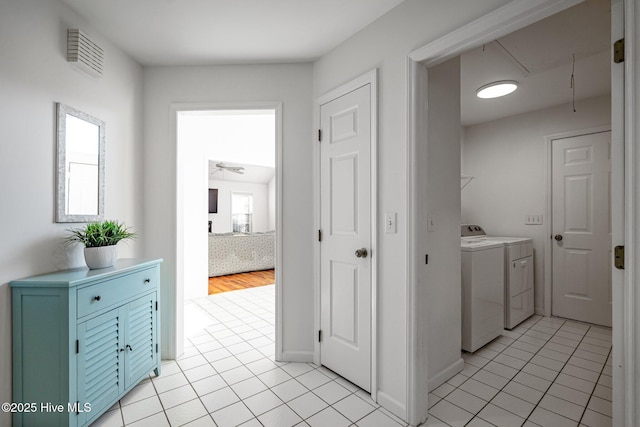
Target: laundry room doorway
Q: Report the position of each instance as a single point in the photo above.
(422, 63)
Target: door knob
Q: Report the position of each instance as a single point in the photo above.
(362, 253)
(558, 237)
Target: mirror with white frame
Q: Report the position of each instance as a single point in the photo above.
(81, 157)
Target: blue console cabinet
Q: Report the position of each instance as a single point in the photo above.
(82, 339)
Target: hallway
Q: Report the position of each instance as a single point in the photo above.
(547, 372)
(227, 377)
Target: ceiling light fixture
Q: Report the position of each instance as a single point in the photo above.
(497, 89)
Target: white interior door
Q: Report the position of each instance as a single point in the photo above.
(581, 181)
(345, 203)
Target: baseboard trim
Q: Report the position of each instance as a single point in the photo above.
(392, 405)
(296, 356)
(444, 375)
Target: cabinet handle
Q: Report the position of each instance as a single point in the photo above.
(129, 347)
(147, 280)
(97, 298)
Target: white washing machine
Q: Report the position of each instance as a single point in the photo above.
(518, 274)
(482, 292)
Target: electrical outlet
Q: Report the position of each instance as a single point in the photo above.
(533, 219)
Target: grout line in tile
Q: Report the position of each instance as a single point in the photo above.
(259, 326)
(591, 395)
(544, 393)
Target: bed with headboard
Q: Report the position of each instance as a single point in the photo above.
(231, 253)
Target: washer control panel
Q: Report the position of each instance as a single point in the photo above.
(468, 230)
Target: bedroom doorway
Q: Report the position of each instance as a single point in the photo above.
(228, 202)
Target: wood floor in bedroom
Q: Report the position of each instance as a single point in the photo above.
(234, 282)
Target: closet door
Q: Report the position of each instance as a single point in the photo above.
(581, 250)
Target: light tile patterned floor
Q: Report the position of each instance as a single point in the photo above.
(546, 372)
(228, 377)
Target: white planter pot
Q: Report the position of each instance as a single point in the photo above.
(100, 257)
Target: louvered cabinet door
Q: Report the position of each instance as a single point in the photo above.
(140, 338)
(100, 361)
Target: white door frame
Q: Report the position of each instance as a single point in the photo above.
(371, 79)
(548, 243)
(626, 294)
(626, 299)
(176, 317)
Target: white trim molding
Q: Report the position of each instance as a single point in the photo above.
(626, 334)
(279, 233)
(444, 375)
(175, 319)
(502, 21)
(417, 372)
(296, 356)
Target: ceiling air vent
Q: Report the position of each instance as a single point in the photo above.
(84, 53)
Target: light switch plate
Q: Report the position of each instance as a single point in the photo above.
(390, 223)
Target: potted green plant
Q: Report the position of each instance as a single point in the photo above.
(99, 240)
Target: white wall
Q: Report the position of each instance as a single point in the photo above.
(442, 276)
(34, 75)
(192, 214)
(385, 45)
(289, 83)
(222, 220)
(508, 160)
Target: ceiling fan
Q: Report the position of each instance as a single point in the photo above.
(235, 169)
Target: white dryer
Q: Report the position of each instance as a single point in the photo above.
(518, 274)
(482, 292)
(518, 279)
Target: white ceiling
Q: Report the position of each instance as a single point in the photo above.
(539, 57)
(245, 137)
(197, 32)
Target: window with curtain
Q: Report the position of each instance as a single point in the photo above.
(242, 212)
